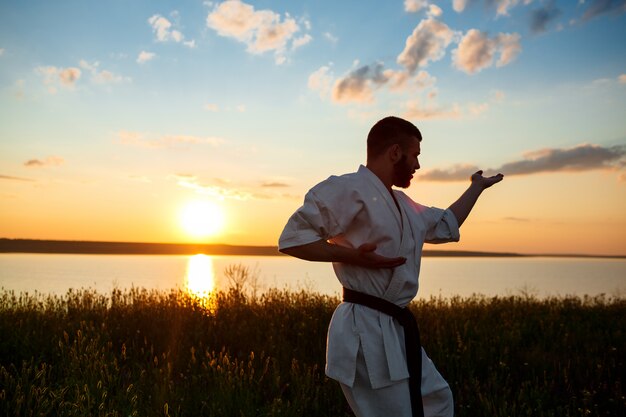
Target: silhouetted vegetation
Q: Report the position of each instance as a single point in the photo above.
(147, 353)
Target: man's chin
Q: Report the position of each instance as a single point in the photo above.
(403, 184)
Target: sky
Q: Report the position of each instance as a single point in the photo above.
(152, 120)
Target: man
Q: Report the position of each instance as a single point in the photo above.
(373, 235)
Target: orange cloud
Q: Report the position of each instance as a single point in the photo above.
(476, 50)
(49, 161)
(260, 30)
(580, 158)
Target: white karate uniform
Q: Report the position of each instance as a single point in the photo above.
(351, 210)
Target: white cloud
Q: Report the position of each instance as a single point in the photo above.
(434, 11)
(163, 29)
(54, 76)
(330, 37)
(301, 41)
(101, 76)
(416, 111)
(321, 81)
(622, 79)
(476, 51)
(502, 6)
(211, 107)
(509, 46)
(1, 51)
(428, 42)
(261, 30)
(459, 5)
(476, 109)
(69, 76)
(145, 56)
(414, 6)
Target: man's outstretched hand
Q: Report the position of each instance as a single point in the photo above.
(370, 259)
(485, 182)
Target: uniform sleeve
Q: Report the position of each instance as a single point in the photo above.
(328, 210)
(443, 226)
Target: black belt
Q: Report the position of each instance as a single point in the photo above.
(411, 340)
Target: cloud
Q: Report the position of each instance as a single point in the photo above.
(211, 107)
(68, 77)
(459, 5)
(427, 43)
(502, 6)
(457, 172)
(301, 41)
(274, 184)
(434, 11)
(321, 81)
(579, 158)
(622, 79)
(101, 76)
(145, 56)
(1, 51)
(141, 140)
(261, 30)
(600, 7)
(54, 76)
(330, 37)
(359, 84)
(585, 157)
(217, 191)
(414, 6)
(415, 110)
(10, 178)
(163, 29)
(541, 17)
(49, 161)
(476, 51)
(516, 219)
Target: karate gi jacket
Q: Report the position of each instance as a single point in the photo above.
(351, 210)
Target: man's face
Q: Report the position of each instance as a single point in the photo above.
(404, 169)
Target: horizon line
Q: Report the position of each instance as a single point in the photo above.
(19, 245)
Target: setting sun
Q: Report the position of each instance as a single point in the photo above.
(202, 218)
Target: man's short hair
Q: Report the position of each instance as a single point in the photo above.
(389, 131)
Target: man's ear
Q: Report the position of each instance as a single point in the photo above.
(395, 153)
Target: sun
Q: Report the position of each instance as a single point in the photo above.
(202, 218)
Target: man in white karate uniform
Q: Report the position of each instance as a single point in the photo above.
(373, 235)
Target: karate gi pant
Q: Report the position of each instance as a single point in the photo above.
(395, 400)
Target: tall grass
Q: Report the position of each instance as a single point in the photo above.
(147, 353)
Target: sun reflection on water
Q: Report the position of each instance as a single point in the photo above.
(200, 280)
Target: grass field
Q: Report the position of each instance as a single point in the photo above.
(141, 353)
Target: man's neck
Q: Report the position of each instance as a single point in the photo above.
(385, 176)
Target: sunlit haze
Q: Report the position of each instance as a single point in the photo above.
(208, 121)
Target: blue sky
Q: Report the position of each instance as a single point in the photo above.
(253, 102)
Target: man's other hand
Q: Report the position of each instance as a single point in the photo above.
(370, 259)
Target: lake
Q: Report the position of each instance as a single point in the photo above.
(440, 276)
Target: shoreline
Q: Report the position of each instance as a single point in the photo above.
(139, 248)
